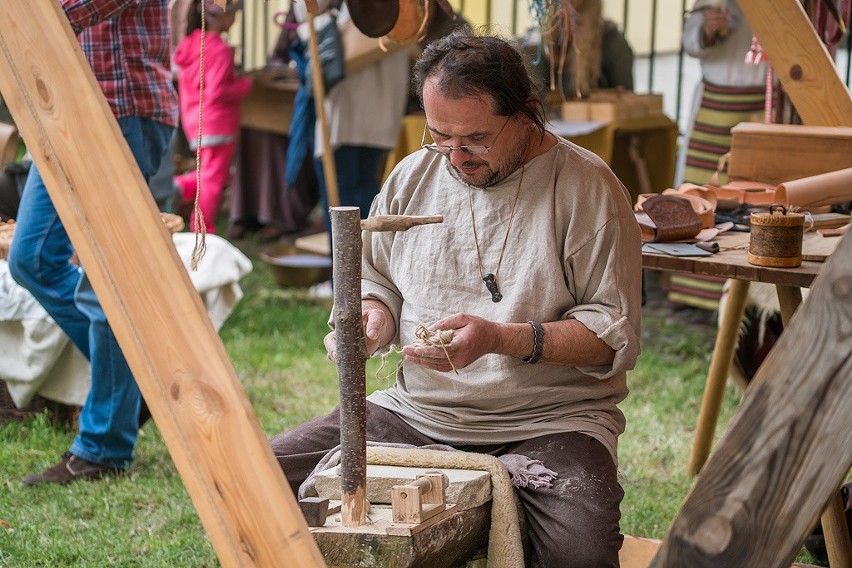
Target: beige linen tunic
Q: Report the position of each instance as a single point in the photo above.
(573, 252)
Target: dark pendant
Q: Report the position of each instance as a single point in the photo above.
(491, 284)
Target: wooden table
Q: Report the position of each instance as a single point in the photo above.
(731, 262)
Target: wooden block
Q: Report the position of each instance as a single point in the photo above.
(637, 552)
(830, 220)
(653, 103)
(467, 488)
(418, 500)
(447, 539)
(775, 153)
(575, 111)
(832, 232)
(817, 247)
(318, 243)
(315, 510)
(610, 111)
(269, 105)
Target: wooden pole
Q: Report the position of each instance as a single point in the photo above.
(788, 448)
(176, 356)
(351, 357)
(717, 377)
(351, 348)
(328, 167)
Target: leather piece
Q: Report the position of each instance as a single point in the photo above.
(374, 18)
(667, 218)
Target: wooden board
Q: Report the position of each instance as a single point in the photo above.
(731, 262)
(467, 489)
(806, 151)
(269, 105)
(176, 356)
(800, 61)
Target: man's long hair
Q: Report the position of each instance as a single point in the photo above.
(465, 64)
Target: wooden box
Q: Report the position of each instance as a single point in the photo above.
(775, 153)
(269, 106)
(612, 105)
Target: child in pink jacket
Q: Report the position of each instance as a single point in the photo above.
(220, 118)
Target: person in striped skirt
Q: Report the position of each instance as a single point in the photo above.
(732, 90)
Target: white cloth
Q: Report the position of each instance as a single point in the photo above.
(36, 357)
(573, 252)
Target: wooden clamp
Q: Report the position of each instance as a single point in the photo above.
(421, 499)
(398, 222)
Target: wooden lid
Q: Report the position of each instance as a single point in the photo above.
(778, 216)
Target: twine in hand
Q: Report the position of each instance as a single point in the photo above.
(422, 336)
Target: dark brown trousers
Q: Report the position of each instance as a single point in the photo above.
(572, 524)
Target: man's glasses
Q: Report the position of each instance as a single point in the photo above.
(472, 150)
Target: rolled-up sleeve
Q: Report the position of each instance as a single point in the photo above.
(605, 275)
(376, 280)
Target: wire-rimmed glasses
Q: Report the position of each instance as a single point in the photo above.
(445, 150)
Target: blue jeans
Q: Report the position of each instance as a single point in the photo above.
(358, 180)
(39, 261)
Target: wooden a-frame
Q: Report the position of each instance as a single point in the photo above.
(175, 354)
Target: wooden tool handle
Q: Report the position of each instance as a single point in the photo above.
(398, 222)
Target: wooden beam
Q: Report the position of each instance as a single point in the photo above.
(788, 448)
(800, 61)
(178, 360)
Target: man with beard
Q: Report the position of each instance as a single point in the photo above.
(536, 270)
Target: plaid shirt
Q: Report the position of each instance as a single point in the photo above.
(127, 44)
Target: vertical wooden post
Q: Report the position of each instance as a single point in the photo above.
(176, 356)
(351, 358)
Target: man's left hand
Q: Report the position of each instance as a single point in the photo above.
(473, 337)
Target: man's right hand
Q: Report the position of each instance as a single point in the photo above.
(379, 329)
(715, 25)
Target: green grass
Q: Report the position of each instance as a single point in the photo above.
(274, 339)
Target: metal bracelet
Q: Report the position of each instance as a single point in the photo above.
(538, 343)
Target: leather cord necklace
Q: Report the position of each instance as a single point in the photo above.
(490, 278)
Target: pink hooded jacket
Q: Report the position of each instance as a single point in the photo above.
(222, 90)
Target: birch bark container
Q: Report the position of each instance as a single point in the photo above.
(776, 238)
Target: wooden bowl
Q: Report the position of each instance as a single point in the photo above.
(294, 269)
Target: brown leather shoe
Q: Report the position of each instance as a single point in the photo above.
(69, 469)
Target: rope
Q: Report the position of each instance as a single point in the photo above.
(199, 228)
(422, 336)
